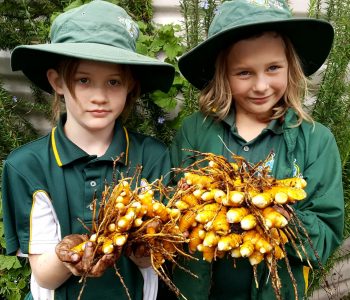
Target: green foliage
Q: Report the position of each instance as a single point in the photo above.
(14, 271)
(333, 102)
(139, 9)
(333, 99)
(14, 276)
(151, 114)
(15, 129)
(197, 18)
(26, 21)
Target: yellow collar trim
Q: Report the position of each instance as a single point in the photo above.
(127, 145)
(306, 277)
(57, 156)
(54, 148)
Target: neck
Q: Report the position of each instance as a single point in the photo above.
(92, 142)
(249, 127)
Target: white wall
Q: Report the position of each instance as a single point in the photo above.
(168, 11)
(299, 7)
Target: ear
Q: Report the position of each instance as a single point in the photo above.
(55, 81)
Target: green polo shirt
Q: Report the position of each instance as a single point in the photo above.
(306, 150)
(71, 177)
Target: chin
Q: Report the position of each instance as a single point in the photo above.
(100, 126)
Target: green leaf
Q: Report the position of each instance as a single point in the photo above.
(16, 264)
(156, 46)
(163, 100)
(172, 50)
(75, 4)
(142, 49)
(179, 81)
(22, 283)
(9, 262)
(142, 26)
(144, 39)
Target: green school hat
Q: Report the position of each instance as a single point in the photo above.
(99, 31)
(311, 38)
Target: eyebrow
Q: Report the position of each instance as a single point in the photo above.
(274, 62)
(281, 61)
(88, 73)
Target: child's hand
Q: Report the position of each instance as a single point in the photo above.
(84, 264)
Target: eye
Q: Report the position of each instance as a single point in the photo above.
(273, 68)
(243, 73)
(114, 82)
(83, 80)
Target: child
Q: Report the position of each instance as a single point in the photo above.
(48, 185)
(252, 75)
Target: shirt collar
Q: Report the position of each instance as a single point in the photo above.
(65, 151)
(275, 125)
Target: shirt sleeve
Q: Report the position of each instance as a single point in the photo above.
(16, 206)
(45, 230)
(322, 213)
(31, 225)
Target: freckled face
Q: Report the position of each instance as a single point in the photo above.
(257, 71)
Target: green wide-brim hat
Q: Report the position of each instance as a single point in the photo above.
(311, 38)
(99, 31)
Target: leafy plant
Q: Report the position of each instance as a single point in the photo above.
(15, 129)
(333, 99)
(332, 105)
(151, 114)
(197, 18)
(14, 271)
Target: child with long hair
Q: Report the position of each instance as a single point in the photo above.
(252, 74)
(48, 185)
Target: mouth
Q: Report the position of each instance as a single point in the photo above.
(260, 99)
(99, 112)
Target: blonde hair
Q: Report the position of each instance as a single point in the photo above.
(68, 67)
(216, 98)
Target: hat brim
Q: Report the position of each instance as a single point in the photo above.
(35, 60)
(312, 40)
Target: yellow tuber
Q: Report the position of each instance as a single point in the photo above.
(236, 214)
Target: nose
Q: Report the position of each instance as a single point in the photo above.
(261, 83)
(99, 95)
